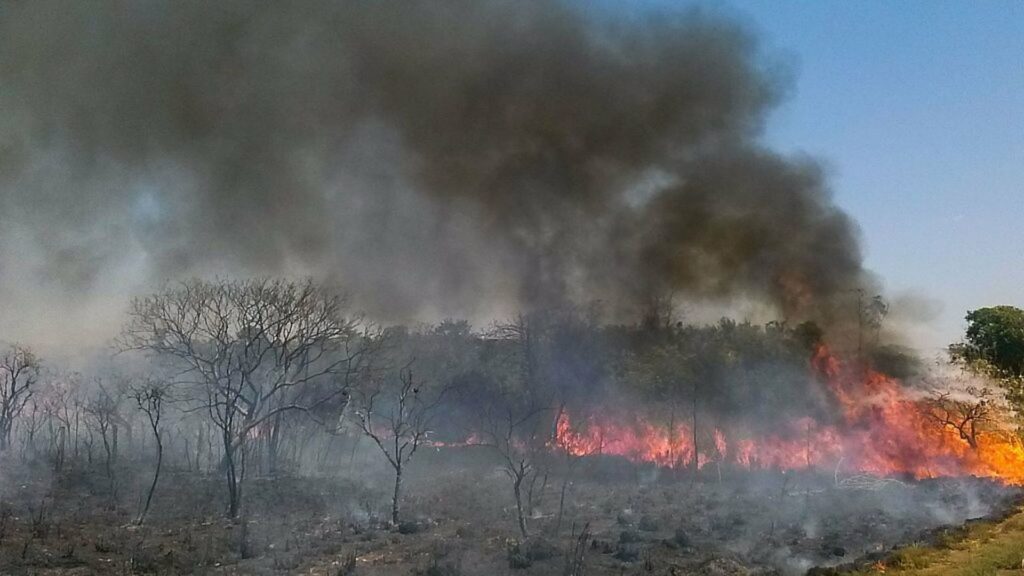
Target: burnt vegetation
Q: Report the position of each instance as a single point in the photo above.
(563, 177)
(264, 426)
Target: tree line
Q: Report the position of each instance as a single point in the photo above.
(237, 375)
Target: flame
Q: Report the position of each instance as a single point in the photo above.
(473, 439)
(882, 430)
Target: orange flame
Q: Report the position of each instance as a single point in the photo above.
(883, 431)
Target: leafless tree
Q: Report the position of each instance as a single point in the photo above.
(968, 414)
(515, 415)
(59, 402)
(19, 372)
(575, 559)
(104, 411)
(251, 350)
(397, 416)
(515, 430)
(150, 397)
(31, 421)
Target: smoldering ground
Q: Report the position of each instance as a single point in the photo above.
(458, 158)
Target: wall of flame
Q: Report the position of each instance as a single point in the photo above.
(883, 430)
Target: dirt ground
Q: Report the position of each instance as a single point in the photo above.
(460, 520)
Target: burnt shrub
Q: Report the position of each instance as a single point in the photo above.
(627, 553)
(538, 549)
(722, 567)
(348, 565)
(602, 546)
(409, 527)
(517, 559)
(833, 550)
(647, 523)
(629, 536)
(437, 568)
(523, 554)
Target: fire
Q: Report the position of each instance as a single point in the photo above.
(882, 430)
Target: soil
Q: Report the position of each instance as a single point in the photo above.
(459, 519)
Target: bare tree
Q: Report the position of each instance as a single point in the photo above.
(104, 411)
(19, 372)
(58, 405)
(149, 397)
(514, 412)
(397, 417)
(515, 429)
(967, 414)
(251, 350)
(30, 423)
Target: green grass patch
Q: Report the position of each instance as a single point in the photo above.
(978, 549)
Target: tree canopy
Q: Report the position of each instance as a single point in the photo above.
(994, 341)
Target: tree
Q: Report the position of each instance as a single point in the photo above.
(872, 314)
(149, 397)
(508, 410)
(19, 372)
(62, 398)
(994, 341)
(510, 428)
(994, 346)
(968, 414)
(104, 410)
(397, 416)
(250, 350)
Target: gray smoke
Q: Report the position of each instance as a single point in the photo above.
(458, 157)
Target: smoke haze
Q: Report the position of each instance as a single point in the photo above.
(463, 158)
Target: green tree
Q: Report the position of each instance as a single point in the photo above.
(994, 345)
(994, 341)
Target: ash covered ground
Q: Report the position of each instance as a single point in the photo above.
(619, 518)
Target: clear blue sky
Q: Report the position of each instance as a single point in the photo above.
(917, 108)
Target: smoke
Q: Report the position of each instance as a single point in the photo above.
(436, 158)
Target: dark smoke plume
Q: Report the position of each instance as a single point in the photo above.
(436, 158)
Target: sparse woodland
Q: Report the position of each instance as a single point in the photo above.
(226, 402)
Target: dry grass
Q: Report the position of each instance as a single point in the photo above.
(980, 549)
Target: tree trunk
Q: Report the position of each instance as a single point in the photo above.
(5, 435)
(108, 452)
(230, 473)
(397, 496)
(561, 503)
(273, 445)
(113, 445)
(517, 489)
(696, 451)
(156, 477)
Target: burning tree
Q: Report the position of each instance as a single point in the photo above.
(251, 350)
(397, 416)
(19, 371)
(568, 439)
(967, 413)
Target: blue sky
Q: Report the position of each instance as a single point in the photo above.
(917, 109)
